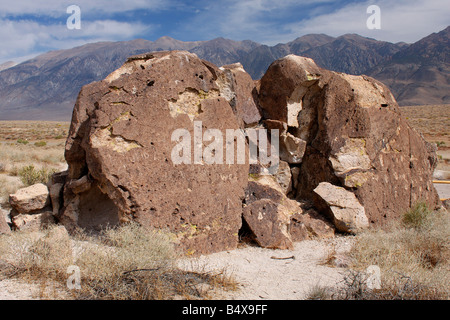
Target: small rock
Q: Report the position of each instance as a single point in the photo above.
(292, 148)
(33, 222)
(295, 171)
(269, 223)
(310, 224)
(30, 199)
(80, 185)
(348, 214)
(267, 212)
(284, 176)
(446, 204)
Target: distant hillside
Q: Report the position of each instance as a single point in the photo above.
(46, 87)
(419, 74)
(7, 65)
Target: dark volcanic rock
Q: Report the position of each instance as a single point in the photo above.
(355, 137)
(348, 158)
(277, 221)
(120, 148)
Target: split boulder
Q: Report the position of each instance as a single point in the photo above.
(355, 137)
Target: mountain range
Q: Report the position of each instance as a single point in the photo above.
(46, 87)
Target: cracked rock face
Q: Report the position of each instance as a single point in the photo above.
(354, 136)
(120, 145)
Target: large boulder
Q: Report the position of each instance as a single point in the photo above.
(354, 135)
(121, 146)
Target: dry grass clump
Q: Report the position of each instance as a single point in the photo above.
(420, 243)
(127, 262)
(37, 143)
(7, 187)
(30, 255)
(413, 257)
(29, 175)
(15, 156)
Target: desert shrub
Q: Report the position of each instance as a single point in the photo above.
(6, 188)
(29, 175)
(395, 287)
(318, 292)
(14, 171)
(417, 216)
(139, 264)
(22, 141)
(40, 144)
(126, 262)
(413, 255)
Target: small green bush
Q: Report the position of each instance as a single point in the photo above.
(417, 216)
(29, 175)
(22, 141)
(40, 144)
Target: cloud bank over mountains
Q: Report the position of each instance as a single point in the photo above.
(30, 27)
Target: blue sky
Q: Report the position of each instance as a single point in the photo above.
(30, 27)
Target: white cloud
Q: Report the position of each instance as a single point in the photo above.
(263, 20)
(259, 20)
(24, 38)
(56, 8)
(29, 27)
(401, 20)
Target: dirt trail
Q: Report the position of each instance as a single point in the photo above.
(262, 276)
